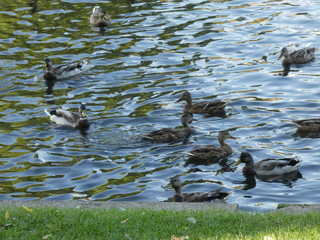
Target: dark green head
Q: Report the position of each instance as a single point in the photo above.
(82, 110)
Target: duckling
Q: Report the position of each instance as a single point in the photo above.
(211, 154)
(65, 70)
(75, 120)
(193, 197)
(308, 124)
(210, 107)
(99, 18)
(267, 167)
(301, 56)
(172, 134)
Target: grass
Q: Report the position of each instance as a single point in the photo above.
(132, 224)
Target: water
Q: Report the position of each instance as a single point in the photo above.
(154, 51)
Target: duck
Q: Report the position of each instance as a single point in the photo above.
(99, 18)
(193, 197)
(308, 125)
(65, 70)
(172, 134)
(301, 56)
(267, 167)
(210, 154)
(67, 118)
(209, 107)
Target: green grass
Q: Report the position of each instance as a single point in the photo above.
(60, 223)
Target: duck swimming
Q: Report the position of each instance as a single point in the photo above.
(267, 167)
(210, 107)
(65, 70)
(301, 56)
(308, 125)
(211, 154)
(172, 134)
(99, 18)
(193, 197)
(75, 120)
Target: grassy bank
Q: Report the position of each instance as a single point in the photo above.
(75, 223)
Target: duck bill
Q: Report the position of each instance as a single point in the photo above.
(237, 163)
(232, 137)
(281, 55)
(83, 114)
(179, 100)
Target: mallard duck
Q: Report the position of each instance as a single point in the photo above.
(99, 18)
(300, 56)
(65, 70)
(75, 120)
(210, 107)
(211, 154)
(308, 124)
(193, 197)
(268, 166)
(172, 134)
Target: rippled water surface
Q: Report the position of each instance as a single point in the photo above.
(154, 51)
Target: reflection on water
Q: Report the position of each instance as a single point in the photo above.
(152, 53)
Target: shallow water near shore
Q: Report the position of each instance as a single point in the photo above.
(152, 53)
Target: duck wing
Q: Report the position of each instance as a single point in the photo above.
(308, 124)
(164, 135)
(304, 55)
(276, 166)
(203, 196)
(70, 69)
(208, 106)
(63, 117)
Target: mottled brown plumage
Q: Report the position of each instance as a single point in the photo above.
(300, 56)
(210, 107)
(211, 154)
(308, 124)
(99, 18)
(172, 134)
(193, 197)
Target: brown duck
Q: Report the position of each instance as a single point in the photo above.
(211, 154)
(99, 18)
(172, 134)
(210, 107)
(193, 197)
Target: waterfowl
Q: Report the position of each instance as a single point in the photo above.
(301, 56)
(172, 134)
(65, 70)
(75, 120)
(308, 124)
(268, 166)
(210, 107)
(99, 18)
(193, 197)
(211, 154)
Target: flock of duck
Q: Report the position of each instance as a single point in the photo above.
(201, 155)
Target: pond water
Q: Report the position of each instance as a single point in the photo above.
(152, 53)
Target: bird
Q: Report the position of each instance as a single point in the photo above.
(99, 18)
(210, 154)
(193, 197)
(267, 167)
(301, 56)
(75, 120)
(308, 125)
(65, 70)
(172, 134)
(210, 107)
